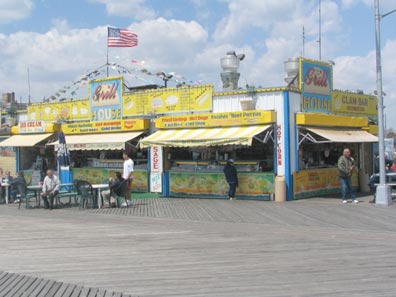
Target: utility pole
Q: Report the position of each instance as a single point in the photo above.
(383, 196)
(28, 73)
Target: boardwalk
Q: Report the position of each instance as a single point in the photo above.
(15, 285)
(179, 247)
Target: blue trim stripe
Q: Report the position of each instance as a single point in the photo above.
(288, 176)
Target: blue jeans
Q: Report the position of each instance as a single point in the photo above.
(232, 190)
(346, 185)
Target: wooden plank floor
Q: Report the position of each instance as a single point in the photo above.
(198, 247)
(17, 285)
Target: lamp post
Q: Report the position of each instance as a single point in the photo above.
(383, 196)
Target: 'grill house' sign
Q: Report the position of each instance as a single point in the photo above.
(106, 99)
(106, 94)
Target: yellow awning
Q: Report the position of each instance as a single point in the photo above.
(241, 135)
(25, 140)
(104, 141)
(341, 135)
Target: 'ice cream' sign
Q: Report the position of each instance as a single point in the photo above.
(106, 99)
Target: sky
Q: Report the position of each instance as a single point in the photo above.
(57, 42)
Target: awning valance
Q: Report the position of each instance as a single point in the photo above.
(337, 135)
(25, 140)
(241, 135)
(104, 141)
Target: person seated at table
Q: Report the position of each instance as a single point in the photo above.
(114, 187)
(20, 179)
(50, 189)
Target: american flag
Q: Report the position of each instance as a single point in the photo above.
(121, 38)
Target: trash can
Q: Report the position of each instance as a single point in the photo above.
(280, 188)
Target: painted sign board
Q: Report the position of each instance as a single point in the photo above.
(156, 158)
(106, 126)
(223, 119)
(316, 85)
(60, 111)
(106, 99)
(171, 100)
(347, 103)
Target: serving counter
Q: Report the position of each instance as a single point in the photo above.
(101, 174)
(202, 178)
(318, 182)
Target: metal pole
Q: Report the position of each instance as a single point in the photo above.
(320, 30)
(383, 196)
(28, 73)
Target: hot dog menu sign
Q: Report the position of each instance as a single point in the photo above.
(316, 83)
(106, 99)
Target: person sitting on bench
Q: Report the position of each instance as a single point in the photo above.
(50, 189)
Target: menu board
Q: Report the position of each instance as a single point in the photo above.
(60, 111)
(163, 101)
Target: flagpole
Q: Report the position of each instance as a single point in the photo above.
(107, 56)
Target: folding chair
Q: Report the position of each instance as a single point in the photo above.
(86, 193)
(25, 194)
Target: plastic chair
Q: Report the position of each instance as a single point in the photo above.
(123, 191)
(25, 194)
(86, 193)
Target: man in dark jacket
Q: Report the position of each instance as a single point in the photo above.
(114, 185)
(231, 176)
(346, 165)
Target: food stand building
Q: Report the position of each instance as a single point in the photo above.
(296, 132)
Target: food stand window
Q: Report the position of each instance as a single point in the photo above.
(96, 157)
(34, 154)
(318, 153)
(197, 157)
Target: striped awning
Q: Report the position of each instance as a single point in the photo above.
(108, 141)
(342, 135)
(25, 140)
(241, 135)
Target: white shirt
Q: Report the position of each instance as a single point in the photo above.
(128, 168)
(51, 184)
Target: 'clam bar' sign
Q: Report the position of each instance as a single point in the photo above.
(106, 99)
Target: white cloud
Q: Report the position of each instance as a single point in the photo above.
(383, 4)
(62, 55)
(14, 10)
(359, 72)
(135, 9)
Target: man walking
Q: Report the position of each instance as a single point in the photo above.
(231, 176)
(50, 189)
(346, 165)
(128, 175)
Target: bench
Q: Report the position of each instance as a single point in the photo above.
(67, 191)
